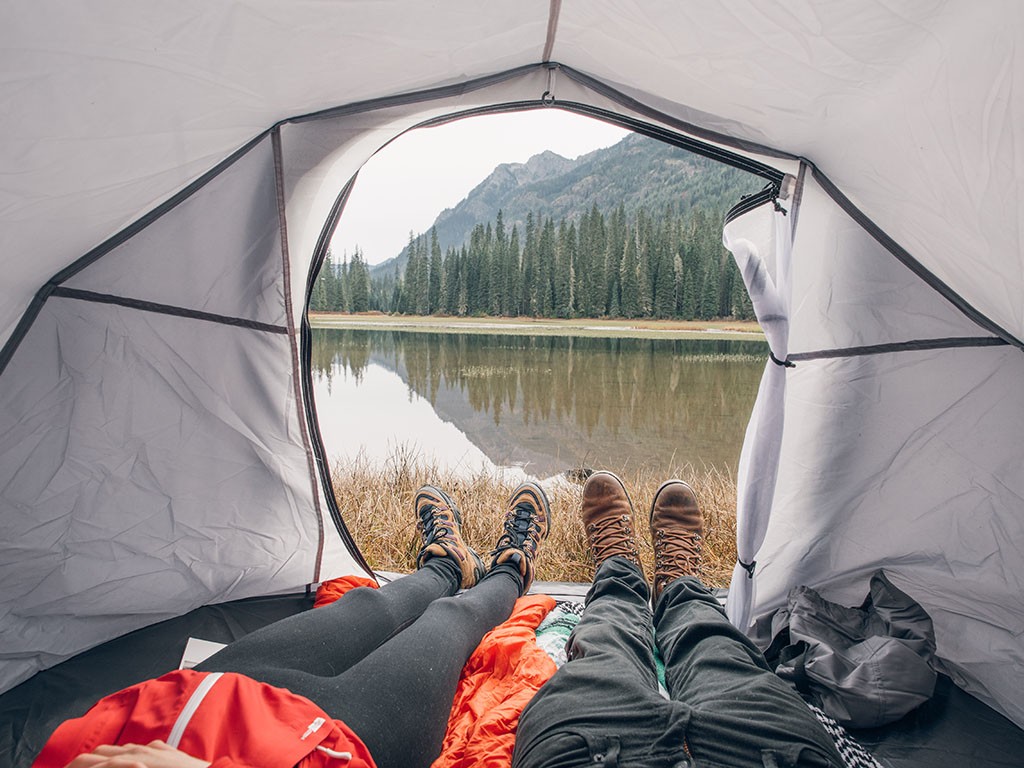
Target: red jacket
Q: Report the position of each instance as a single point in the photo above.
(226, 718)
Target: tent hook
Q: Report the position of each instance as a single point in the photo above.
(548, 97)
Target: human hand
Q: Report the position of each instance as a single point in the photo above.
(156, 754)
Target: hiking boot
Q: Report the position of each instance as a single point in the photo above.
(526, 524)
(677, 530)
(440, 526)
(608, 519)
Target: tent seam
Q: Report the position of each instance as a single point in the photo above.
(554, 11)
(275, 138)
(309, 400)
(143, 305)
(28, 318)
(915, 345)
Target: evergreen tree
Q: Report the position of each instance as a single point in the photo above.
(629, 268)
(618, 232)
(515, 280)
(342, 295)
(407, 300)
(664, 283)
(678, 276)
(422, 278)
(562, 281)
(434, 291)
(594, 280)
(688, 303)
(450, 282)
(318, 298)
(546, 270)
(358, 284)
(645, 280)
(669, 265)
(709, 291)
(462, 302)
(528, 304)
(396, 293)
(499, 269)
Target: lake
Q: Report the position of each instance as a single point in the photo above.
(536, 404)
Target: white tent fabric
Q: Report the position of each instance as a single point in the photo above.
(763, 257)
(161, 206)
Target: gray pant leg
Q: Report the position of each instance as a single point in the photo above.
(742, 714)
(603, 706)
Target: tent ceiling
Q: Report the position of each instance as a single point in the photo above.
(109, 108)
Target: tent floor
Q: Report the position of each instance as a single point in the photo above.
(953, 729)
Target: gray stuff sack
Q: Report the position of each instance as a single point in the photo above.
(865, 666)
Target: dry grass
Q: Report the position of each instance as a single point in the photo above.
(377, 504)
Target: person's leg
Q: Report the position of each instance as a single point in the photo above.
(329, 640)
(740, 708)
(603, 705)
(398, 699)
(742, 714)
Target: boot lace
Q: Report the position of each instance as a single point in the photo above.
(521, 530)
(613, 536)
(676, 555)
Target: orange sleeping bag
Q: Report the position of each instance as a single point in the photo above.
(498, 680)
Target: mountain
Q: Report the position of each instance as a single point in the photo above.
(636, 172)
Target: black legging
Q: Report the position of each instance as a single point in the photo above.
(384, 661)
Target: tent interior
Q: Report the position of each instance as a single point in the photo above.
(171, 178)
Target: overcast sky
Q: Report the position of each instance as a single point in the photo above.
(408, 183)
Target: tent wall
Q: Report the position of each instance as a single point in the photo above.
(153, 456)
(896, 457)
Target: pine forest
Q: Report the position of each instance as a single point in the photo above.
(608, 265)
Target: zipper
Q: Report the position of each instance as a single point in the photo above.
(747, 203)
(306, 356)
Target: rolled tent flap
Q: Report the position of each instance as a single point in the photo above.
(761, 242)
(893, 444)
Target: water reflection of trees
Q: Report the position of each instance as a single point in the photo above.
(670, 388)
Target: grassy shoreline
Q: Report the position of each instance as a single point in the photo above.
(376, 502)
(607, 327)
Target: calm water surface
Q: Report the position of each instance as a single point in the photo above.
(539, 403)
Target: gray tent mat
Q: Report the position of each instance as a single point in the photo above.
(953, 729)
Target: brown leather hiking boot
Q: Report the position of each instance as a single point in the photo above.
(526, 523)
(608, 519)
(440, 526)
(677, 530)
